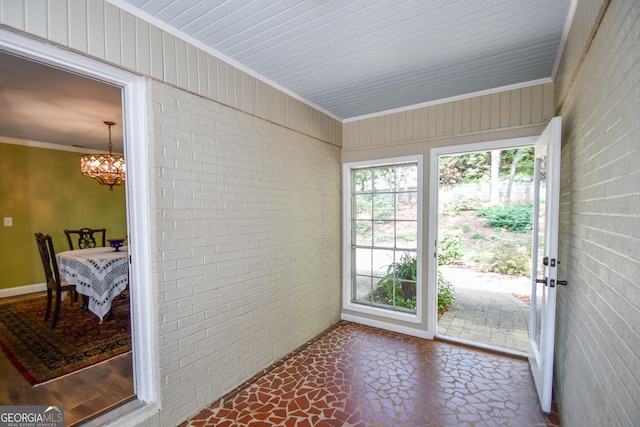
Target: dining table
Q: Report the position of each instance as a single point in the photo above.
(99, 274)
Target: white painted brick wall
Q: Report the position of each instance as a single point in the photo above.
(598, 323)
(248, 240)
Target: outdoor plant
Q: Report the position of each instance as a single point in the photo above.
(363, 227)
(449, 247)
(459, 204)
(398, 287)
(509, 258)
(363, 206)
(445, 294)
(382, 206)
(408, 236)
(517, 217)
(401, 276)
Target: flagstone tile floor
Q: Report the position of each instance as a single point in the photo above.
(355, 375)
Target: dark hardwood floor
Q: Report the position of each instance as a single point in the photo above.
(84, 394)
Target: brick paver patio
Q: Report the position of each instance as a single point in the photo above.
(485, 311)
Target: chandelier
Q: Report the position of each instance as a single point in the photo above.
(106, 169)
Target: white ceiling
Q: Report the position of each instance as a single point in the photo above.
(363, 57)
(351, 59)
(39, 103)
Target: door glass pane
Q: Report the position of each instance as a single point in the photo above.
(540, 290)
(540, 272)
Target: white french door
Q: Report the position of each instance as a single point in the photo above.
(544, 270)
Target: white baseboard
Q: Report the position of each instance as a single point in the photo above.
(21, 290)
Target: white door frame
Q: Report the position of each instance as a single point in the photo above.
(137, 184)
(432, 260)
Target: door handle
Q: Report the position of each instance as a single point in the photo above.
(542, 281)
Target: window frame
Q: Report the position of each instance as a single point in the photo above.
(347, 233)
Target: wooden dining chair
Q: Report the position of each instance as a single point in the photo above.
(86, 237)
(52, 275)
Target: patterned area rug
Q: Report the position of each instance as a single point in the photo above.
(78, 341)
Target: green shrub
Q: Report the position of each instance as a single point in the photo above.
(401, 278)
(409, 236)
(518, 217)
(383, 206)
(382, 237)
(496, 236)
(477, 236)
(449, 247)
(509, 258)
(445, 294)
(363, 227)
(398, 287)
(459, 204)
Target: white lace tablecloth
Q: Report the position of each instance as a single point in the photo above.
(99, 273)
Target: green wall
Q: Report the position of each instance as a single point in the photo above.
(44, 191)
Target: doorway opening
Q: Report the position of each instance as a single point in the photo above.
(134, 128)
(485, 196)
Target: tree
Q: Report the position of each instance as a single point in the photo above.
(525, 166)
(512, 174)
(495, 177)
(513, 165)
(462, 168)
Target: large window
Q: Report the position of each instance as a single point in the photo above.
(383, 212)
